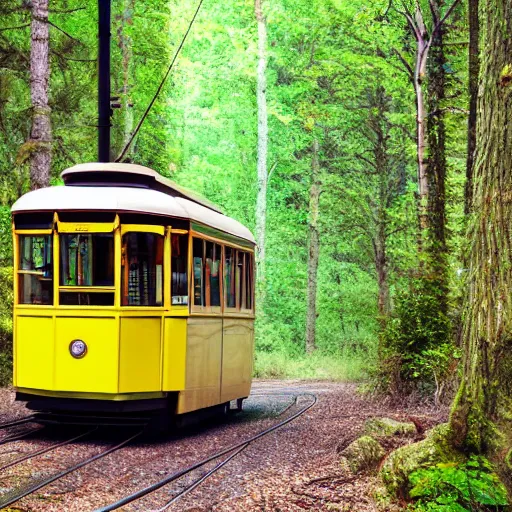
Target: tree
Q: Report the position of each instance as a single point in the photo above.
(314, 249)
(425, 39)
(481, 412)
(261, 92)
(40, 144)
(473, 68)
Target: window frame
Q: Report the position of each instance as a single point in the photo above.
(162, 231)
(17, 271)
(194, 308)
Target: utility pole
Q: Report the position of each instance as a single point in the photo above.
(104, 17)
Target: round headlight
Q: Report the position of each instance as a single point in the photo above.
(78, 349)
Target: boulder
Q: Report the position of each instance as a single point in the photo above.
(363, 453)
(386, 427)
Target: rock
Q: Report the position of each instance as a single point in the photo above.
(363, 453)
(386, 427)
(434, 449)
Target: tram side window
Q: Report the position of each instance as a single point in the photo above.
(229, 278)
(249, 269)
(142, 269)
(212, 278)
(244, 280)
(35, 273)
(179, 260)
(198, 271)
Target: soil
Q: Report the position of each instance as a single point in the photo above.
(295, 468)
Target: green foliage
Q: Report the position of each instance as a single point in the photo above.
(458, 487)
(417, 347)
(348, 366)
(6, 302)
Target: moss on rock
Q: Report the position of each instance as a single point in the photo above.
(386, 427)
(363, 453)
(434, 449)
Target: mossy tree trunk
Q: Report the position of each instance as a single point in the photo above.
(482, 410)
(473, 70)
(436, 248)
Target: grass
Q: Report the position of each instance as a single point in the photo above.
(349, 367)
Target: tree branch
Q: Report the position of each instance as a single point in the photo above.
(15, 28)
(404, 62)
(65, 33)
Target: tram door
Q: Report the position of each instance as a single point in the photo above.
(142, 307)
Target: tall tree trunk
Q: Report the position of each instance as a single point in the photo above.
(41, 133)
(261, 202)
(314, 249)
(378, 123)
(436, 175)
(481, 413)
(420, 70)
(125, 43)
(474, 68)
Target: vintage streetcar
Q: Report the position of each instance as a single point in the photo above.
(132, 296)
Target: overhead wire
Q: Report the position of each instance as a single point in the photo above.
(160, 87)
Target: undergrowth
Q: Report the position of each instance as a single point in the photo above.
(343, 367)
(468, 487)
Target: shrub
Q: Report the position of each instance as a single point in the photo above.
(417, 352)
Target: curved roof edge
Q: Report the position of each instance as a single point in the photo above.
(127, 200)
(95, 173)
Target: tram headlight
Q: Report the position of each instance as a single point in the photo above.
(78, 349)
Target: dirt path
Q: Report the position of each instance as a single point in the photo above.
(293, 469)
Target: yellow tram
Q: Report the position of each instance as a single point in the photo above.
(131, 294)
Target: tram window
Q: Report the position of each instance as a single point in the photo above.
(179, 260)
(142, 269)
(239, 278)
(35, 271)
(198, 270)
(229, 278)
(87, 260)
(212, 268)
(248, 280)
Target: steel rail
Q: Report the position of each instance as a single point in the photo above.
(16, 437)
(201, 479)
(44, 450)
(21, 421)
(9, 501)
(175, 476)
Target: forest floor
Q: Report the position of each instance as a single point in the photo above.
(295, 468)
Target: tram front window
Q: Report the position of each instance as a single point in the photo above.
(35, 274)
(87, 270)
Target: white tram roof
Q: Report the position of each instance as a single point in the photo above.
(86, 190)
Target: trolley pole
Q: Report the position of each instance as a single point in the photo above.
(104, 16)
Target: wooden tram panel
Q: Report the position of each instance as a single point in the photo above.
(203, 356)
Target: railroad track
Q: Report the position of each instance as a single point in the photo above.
(15, 495)
(231, 452)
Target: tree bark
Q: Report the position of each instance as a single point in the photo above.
(436, 176)
(261, 202)
(474, 68)
(314, 249)
(40, 143)
(481, 413)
